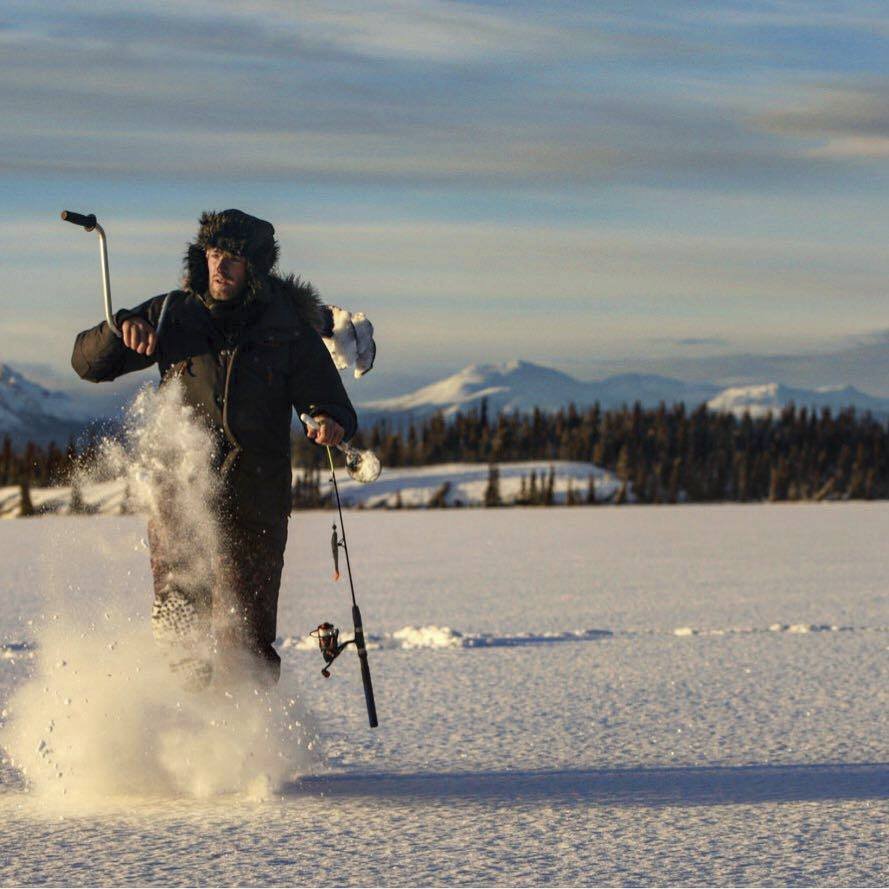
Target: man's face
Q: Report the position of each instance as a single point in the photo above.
(228, 273)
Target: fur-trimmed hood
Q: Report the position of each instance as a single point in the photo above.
(252, 238)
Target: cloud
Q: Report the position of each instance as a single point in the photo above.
(842, 121)
(545, 287)
(693, 341)
(431, 31)
(404, 93)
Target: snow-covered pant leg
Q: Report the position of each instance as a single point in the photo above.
(181, 613)
(245, 599)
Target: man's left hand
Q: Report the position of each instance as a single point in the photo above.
(329, 432)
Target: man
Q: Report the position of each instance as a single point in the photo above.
(245, 346)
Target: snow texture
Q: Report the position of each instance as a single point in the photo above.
(680, 695)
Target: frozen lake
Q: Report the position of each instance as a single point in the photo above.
(637, 695)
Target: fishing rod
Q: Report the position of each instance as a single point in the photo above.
(327, 634)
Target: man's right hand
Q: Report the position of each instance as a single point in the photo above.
(138, 335)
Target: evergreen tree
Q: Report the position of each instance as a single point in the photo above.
(26, 507)
(550, 489)
(492, 491)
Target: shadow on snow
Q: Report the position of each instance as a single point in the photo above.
(688, 785)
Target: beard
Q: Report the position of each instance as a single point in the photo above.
(223, 289)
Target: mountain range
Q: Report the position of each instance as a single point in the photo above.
(522, 386)
(29, 411)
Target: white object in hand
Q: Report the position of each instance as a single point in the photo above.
(351, 340)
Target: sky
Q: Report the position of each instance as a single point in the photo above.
(570, 183)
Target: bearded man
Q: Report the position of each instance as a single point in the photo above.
(245, 345)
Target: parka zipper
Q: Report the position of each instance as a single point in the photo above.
(234, 453)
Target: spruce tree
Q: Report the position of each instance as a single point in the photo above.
(26, 507)
(492, 491)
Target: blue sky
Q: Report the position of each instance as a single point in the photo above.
(566, 182)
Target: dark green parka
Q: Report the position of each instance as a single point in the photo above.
(245, 382)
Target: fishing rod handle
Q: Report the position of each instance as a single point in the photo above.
(87, 221)
(312, 423)
(368, 690)
(365, 668)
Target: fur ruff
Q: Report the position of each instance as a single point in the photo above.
(302, 294)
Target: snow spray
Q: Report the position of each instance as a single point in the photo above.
(102, 715)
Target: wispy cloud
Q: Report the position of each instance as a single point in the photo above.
(838, 122)
(693, 341)
(407, 92)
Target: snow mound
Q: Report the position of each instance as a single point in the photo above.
(465, 484)
(428, 637)
(454, 484)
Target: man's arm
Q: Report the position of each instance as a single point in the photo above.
(316, 387)
(100, 355)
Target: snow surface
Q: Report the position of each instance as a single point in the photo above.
(657, 695)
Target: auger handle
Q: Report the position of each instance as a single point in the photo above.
(88, 222)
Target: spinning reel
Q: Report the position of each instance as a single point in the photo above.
(328, 641)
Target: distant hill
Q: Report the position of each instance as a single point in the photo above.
(522, 386)
(760, 400)
(30, 412)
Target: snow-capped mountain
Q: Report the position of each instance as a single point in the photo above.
(28, 411)
(772, 397)
(522, 386)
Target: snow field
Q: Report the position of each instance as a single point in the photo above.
(566, 696)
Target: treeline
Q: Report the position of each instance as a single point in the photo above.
(664, 455)
(39, 466)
